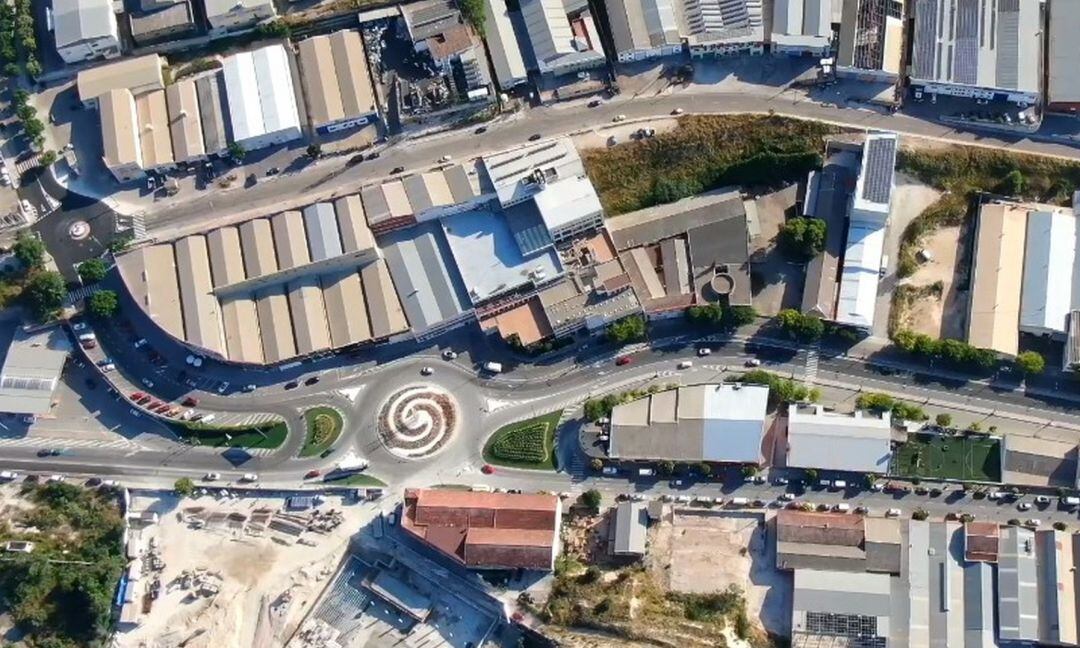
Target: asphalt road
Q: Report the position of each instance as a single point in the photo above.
(329, 177)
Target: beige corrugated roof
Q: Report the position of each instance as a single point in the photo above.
(275, 324)
(119, 139)
(350, 64)
(308, 316)
(226, 260)
(397, 200)
(258, 245)
(138, 74)
(352, 223)
(343, 296)
(291, 242)
(184, 123)
(320, 80)
(994, 318)
(387, 316)
(202, 317)
(150, 274)
(242, 336)
(154, 138)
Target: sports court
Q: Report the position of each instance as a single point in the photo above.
(947, 457)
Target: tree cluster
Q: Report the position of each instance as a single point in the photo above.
(1031, 362)
(721, 317)
(17, 31)
(954, 352)
(628, 329)
(803, 238)
(781, 390)
(28, 119)
(884, 403)
(473, 12)
(805, 328)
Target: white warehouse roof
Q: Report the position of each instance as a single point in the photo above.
(859, 442)
(261, 98)
(1046, 296)
(859, 277)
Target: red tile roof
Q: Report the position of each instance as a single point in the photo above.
(819, 528)
(981, 541)
(485, 529)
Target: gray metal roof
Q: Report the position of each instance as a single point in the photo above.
(320, 223)
(424, 275)
(631, 521)
(650, 225)
(1017, 600)
(822, 274)
(831, 441)
(31, 370)
(1063, 82)
(528, 227)
(212, 113)
(75, 21)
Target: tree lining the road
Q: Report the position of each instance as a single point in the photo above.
(628, 329)
(705, 152)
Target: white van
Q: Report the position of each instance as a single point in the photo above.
(842, 507)
(493, 367)
(839, 484)
(685, 364)
(1071, 502)
(87, 337)
(739, 501)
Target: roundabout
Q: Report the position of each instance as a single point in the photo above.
(417, 421)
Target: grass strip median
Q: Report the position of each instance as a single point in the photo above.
(323, 429)
(266, 436)
(525, 444)
(356, 480)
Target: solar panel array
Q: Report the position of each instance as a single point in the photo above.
(926, 25)
(878, 169)
(966, 59)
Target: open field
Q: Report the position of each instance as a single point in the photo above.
(525, 444)
(703, 153)
(947, 457)
(323, 429)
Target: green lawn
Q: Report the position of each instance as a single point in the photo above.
(525, 444)
(270, 435)
(357, 480)
(944, 457)
(323, 429)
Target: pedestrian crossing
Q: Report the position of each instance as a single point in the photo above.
(49, 442)
(22, 166)
(80, 293)
(812, 358)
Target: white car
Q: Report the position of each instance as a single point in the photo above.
(677, 111)
(148, 383)
(1033, 523)
(1042, 499)
(8, 475)
(704, 352)
(1023, 506)
(842, 507)
(449, 355)
(78, 326)
(426, 371)
(211, 476)
(107, 367)
(787, 497)
(893, 512)
(445, 158)
(55, 478)
(685, 364)
(140, 343)
(249, 477)
(619, 118)
(753, 362)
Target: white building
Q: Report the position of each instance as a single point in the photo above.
(261, 98)
(233, 15)
(859, 442)
(802, 27)
(868, 215)
(646, 29)
(85, 30)
(983, 49)
(562, 43)
(1050, 286)
(551, 174)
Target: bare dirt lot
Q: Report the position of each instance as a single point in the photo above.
(605, 136)
(705, 551)
(265, 583)
(781, 282)
(939, 315)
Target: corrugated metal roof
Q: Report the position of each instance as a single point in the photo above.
(202, 317)
(308, 316)
(290, 240)
(631, 520)
(184, 122)
(502, 45)
(320, 223)
(346, 311)
(139, 74)
(243, 338)
(275, 324)
(424, 275)
(32, 368)
(384, 308)
(352, 223)
(226, 259)
(119, 135)
(859, 274)
(654, 224)
(242, 90)
(257, 241)
(211, 112)
(77, 21)
(320, 80)
(832, 441)
(994, 311)
(1049, 260)
(354, 81)
(276, 94)
(155, 139)
(150, 274)
(1063, 84)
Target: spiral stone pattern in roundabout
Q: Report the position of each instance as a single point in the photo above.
(417, 421)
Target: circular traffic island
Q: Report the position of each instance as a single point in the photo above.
(417, 422)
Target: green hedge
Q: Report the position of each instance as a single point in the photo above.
(525, 444)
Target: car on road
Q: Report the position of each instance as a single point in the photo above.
(149, 384)
(677, 111)
(481, 130)
(534, 137)
(594, 103)
(292, 384)
(787, 497)
(51, 452)
(758, 479)
(190, 401)
(780, 481)
(396, 170)
(487, 469)
(312, 474)
(249, 388)
(444, 159)
(311, 381)
(222, 387)
(272, 171)
(893, 512)
(1023, 506)
(753, 362)
(1042, 500)
(842, 507)
(449, 355)
(704, 351)
(685, 364)
(1033, 523)
(624, 360)
(619, 118)
(140, 343)
(326, 453)
(249, 477)
(426, 371)
(78, 326)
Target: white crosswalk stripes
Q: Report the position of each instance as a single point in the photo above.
(46, 442)
(811, 366)
(81, 293)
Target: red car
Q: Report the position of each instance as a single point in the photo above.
(625, 360)
(190, 401)
(312, 474)
(136, 395)
(487, 469)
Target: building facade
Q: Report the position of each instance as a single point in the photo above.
(85, 30)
